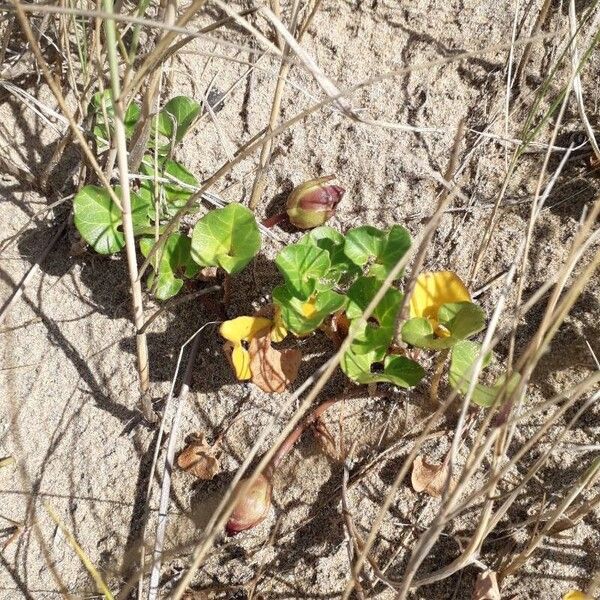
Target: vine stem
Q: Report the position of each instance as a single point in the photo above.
(437, 375)
(121, 144)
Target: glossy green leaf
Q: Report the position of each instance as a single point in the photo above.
(370, 368)
(463, 358)
(304, 268)
(461, 319)
(176, 192)
(295, 315)
(383, 250)
(379, 330)
(226, 237)
(98, 219)
(175, 263)
(326, 238)
(101, 104)
(174, 121)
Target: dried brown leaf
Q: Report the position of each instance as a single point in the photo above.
(336, 329)
(486, 586)
(199, 458)
(272, 370)
(428, 477)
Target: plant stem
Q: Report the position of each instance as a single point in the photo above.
(296, 433)
(437, 375)
(274, 220)
(121, 144)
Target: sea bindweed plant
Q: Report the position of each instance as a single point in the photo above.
(226, 237)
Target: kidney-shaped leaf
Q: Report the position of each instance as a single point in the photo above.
(175, 119)
(101, 104)
(464, 356)
(304, 268)
(226, 237)
(175, 262)
(458, 320)
(98, 219)
(300, 315)
(378, 332)
(176, 192)
(367, 243)
(372, 367)
(327, 238)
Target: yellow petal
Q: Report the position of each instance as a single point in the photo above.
(243, 328)
(278, 331)
(308, 308)
(240, 358)
(576, 595)
(434, 289)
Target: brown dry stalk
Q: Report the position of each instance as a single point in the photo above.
(121, 146)
(56, 91)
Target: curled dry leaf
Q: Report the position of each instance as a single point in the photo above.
(428, 477)
(336, 329)
(486, 586)
(198, 458)
(272, 370)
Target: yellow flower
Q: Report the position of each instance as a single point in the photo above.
(309, 307)
(576, 595)
(240, 330)
(431, 291)
(278, 331)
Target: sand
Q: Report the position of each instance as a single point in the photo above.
(69, 410)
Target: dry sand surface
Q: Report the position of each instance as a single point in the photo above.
(68, 383)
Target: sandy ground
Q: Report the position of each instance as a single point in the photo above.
(68, 383)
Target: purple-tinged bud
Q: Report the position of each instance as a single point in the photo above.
(313, 202)
(252, 508)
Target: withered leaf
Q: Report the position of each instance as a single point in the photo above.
(199, 458)
(336, 329)
(486, 586)
(428, 477)
(272, 370)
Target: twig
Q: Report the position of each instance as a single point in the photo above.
(165, 492)
(121, 144)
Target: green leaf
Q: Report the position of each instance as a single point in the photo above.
(369, 368)
(98, 219)
(100, 103)
(174, 121)
(461, 319)
(226, 237)
(174, 194)
(294, 314)
(464, 356)
(378, 332)
(142, 208)
(368, 244)
(327, 238)
(175, 263)
(304, 268)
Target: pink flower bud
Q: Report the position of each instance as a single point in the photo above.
(313, 202)
(252, 508)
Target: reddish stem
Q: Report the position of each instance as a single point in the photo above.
(274, 220)
(294, 436)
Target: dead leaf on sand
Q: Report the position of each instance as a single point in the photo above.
(486, 586)
(428, 477)
(198, 458)
(272, 370)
